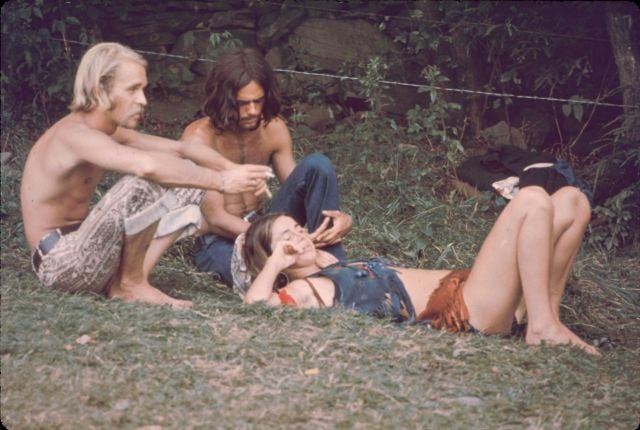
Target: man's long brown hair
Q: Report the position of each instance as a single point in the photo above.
(232, 71)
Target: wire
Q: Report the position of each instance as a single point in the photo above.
(387, 82)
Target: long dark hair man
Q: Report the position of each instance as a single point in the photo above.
(243, 123)
(232, 72)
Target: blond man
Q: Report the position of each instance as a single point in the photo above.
(103, 249)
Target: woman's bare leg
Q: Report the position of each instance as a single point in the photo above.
(516, 259)
(571, 215)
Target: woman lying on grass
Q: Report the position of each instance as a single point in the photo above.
(529, 251)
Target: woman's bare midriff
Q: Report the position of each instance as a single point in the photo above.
(420, 283)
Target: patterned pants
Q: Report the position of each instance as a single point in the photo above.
(88, 258)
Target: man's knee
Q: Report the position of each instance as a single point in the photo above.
(215, 257)
(319, 164)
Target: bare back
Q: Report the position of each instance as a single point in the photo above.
(267, 145)
(56, 185)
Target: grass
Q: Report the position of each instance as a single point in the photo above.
(82, 362)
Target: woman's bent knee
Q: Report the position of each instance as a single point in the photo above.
(575, 201)
(534, 198)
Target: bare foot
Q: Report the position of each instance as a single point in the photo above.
(557, 334)
(146, 293)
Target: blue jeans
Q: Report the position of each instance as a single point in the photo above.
(311, 188)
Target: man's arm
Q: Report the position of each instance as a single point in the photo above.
(282, 156)
(192, 149)
(101, 150)
(336, 224)
(218, 220)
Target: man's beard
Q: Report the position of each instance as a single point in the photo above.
(254, 125)
(132, 123)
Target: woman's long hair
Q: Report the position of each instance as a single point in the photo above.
(231, 72)
(257, 242)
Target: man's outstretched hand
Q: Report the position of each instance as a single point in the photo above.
(246, 178)
(340, 225)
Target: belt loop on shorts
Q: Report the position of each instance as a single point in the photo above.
(49, 241)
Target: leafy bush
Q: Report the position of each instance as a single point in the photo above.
(434, 121)
(38, 59)
(615, 229)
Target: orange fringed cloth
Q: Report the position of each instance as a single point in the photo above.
(446, 308)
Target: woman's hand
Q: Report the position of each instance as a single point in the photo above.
(325, 236)
(285, 254)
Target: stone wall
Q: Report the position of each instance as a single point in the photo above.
(336, 38)
(327, 37)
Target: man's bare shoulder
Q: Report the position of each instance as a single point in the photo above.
(69, 129)
(200, 129)
(277, 125)
(68, 126)
(276, 132)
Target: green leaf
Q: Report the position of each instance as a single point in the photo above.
(427, 230)
(58, 26)
(578, 110)
(187, 76)
(55, 88)
(24, 13)
(401, 38)
(566, 110)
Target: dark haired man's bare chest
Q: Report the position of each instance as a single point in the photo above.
(247, 150)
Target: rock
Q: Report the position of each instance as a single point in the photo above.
(502, 134)
(196, 45)
(317, 117)
(323, 44)
(141, 24)
(279, 57)
(274, 26)
(5, 157)
(173, 107)
(153, 40)
(189, 5)
(536, 126)
(242, 18)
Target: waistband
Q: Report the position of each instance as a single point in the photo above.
(49, 241)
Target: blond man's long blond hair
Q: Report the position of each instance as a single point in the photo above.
(95, 74)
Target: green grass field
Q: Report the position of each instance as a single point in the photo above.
(83, 362)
